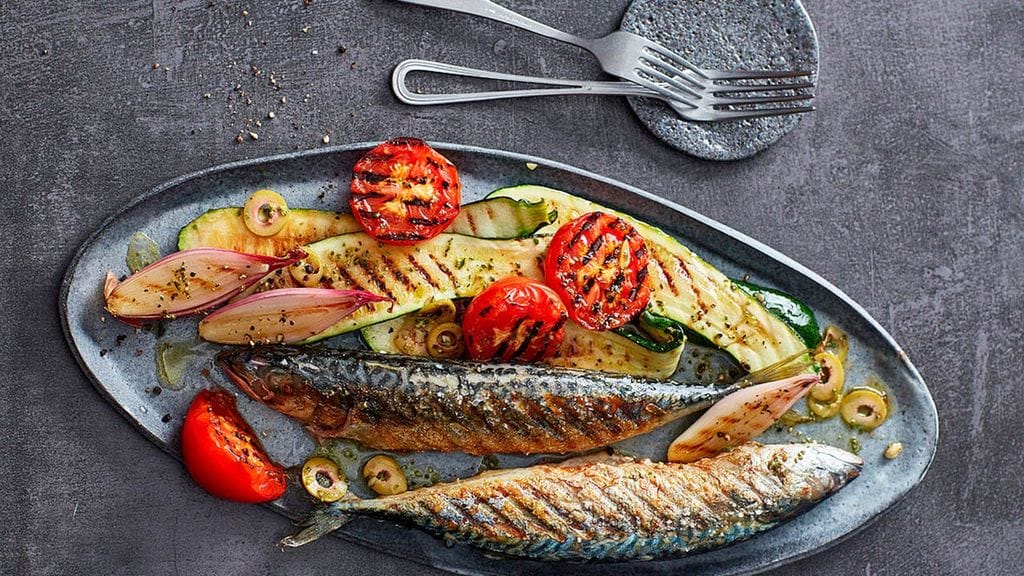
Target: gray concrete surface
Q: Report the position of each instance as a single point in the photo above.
(906, 189)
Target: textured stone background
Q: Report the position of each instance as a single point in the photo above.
(905, 189)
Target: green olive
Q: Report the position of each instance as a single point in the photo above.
(384, 476)
(445, 341)
(823, 410)
(308, 271)
(323, 480)
(411, 337)
(832, 377)
(864, 408)
(265, 213)
(834, 341)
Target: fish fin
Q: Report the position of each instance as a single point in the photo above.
(320, 523)
(788, 367)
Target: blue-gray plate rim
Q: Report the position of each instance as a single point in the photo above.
(80, 310)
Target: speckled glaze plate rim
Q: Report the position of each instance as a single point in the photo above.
(916, 381)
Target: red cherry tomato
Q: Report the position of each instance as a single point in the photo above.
(597, 264)
(404, 192)
(514, 320)
(223, 454)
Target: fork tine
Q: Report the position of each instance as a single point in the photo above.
(743, 114)
(675, 58)
(765, 100)
(723, 89)
(671, 81)
(755, 74)
(674, 97)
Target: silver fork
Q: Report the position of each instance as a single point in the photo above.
(404, 93)
(644, 62)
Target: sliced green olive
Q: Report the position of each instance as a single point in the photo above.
(823, 410)
(445, 341)
(265, 213)
(834, 341)
(411, 337)
(384, 476)
(308, 271)
(832, 377)
(323, 480)
(864, 408)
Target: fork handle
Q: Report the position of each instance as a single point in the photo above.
(402, 91)
(492, 11)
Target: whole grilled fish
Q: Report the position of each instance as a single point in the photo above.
(393, 402)
(615, 510)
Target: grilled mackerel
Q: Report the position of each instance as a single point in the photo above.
(614, 510)
(393, 402)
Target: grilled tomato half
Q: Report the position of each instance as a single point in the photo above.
(514, 320)
(597, 264)
(403, 192)
(223, 454)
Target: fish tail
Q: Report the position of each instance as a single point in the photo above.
(788, 367)
(321, 523)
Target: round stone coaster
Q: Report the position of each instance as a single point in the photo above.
(729, 35)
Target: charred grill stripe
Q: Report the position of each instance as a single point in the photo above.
(661, 506)
(667, 275)
(693, 285)
(350, 280)
(422, 271)
(370, 214)
(395, 272)
(612, 256)
(361, 196)
(595, 246)
(524, 499)
(543, 419)
(615, 286)
(399, 236)
(584, 228)
(444, 270)
(375, 156)
(423, 221)
(531, 333)
(564, 525)
(511, 526)
(524, 518)
(418, 202)
(471, 219)
(371, 178)
(574, 427)
(374, 277)
(503, 347)
(588, 285)
(641, 275)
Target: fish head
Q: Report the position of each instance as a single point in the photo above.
(272, 377)
(813, 470)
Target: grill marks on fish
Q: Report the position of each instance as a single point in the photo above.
(404, 403)
(623, 509)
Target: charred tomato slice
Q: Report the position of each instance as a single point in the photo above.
(403, 192)
(223, 454)
(514, 320)
(597, 264)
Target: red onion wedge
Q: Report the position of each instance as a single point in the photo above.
(285, 316)
(739, 417)
(188, 282)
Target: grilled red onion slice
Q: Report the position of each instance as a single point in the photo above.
(284, 316)
(188, 282)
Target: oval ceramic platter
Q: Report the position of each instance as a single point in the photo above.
(120, 360)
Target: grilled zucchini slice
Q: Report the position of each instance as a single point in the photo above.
(687, 289)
